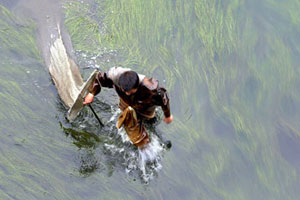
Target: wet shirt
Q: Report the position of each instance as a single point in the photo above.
(144, 101)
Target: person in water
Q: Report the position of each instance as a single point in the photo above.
(139, 96)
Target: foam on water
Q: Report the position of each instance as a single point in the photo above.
(149, 158)
(115, 115)
(145, 162)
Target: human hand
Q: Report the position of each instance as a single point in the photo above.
(88, 98)
(168, 120)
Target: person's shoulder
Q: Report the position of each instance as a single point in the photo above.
(115, 72)
(150, 83)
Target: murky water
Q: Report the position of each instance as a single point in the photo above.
(231, 68)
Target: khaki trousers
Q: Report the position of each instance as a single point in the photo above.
(133, 127)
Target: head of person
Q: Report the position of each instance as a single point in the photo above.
(129, 82)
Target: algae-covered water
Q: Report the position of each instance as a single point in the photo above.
(232, 71)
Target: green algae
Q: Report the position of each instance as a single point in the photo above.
(237, 54)
(83, 138)
(14, 39)
(26, 104)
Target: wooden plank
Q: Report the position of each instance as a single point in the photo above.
(74, 111)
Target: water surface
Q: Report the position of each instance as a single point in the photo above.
(231, 69)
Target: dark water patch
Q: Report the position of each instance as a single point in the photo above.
(261, 48)
(250, 91)
(289, 144)
(234, 76)
(16, 54)
(243, 137)
(4, 170)
(292, 39)
(234, 59)
(222, 127)
(288, 106)
(9, 3)
(216, 57)
(267, 18)
(296, 86)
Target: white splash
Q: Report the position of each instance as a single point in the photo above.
(149, 158)
(144, 161)
(116, 113)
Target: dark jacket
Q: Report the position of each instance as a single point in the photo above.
(148, 96)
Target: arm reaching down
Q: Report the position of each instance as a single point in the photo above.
(162, 99)
(168, 120)
(88, 98)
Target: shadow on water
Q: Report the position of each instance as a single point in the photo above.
(289, 144)
(107, 149)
